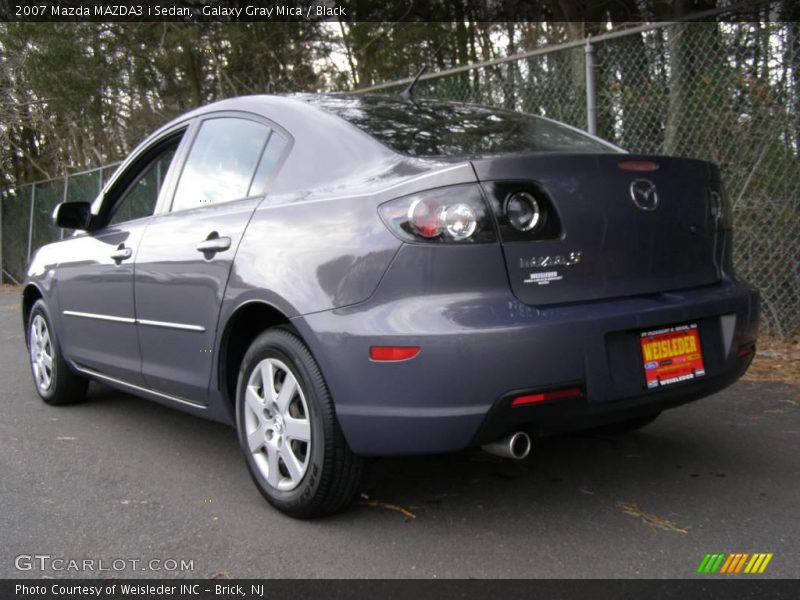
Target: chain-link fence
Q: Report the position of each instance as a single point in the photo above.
(26, 215)
(725, 92)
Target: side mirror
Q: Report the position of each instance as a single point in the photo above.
(73, 215)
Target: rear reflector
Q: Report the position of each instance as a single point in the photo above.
(573, 392)
(745, 350)
(638, 165)
(393, 353)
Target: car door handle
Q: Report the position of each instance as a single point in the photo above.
(216, 244)
(121, 253)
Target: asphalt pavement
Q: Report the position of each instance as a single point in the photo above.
(121, 479)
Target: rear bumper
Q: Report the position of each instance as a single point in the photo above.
(481, 349)
(561, 416)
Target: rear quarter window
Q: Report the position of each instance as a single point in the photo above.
(268, 164)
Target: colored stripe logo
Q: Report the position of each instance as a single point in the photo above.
(735, 563)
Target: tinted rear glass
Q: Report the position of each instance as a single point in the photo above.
(437, 128)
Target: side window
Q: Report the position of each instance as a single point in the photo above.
(140, 197)
(269, 161)
(221, 163)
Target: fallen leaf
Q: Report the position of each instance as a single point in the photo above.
(632, 509)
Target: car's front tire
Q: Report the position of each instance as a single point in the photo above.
(287, 426)
(55, 382)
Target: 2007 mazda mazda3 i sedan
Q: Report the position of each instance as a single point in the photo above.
(346, 276)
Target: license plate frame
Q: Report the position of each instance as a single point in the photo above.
(671, 355)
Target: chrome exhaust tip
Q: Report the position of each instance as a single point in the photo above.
(515, 445)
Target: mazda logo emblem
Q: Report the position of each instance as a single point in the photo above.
(643, 194)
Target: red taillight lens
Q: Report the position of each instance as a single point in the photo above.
(393, 353)
(425, 218)
(453, 214)
(573, 392)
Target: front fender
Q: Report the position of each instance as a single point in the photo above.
(41, 279)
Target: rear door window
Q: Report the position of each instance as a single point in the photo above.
(221, 163)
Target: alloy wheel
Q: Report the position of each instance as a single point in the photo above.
(277, 424)
(42, 353)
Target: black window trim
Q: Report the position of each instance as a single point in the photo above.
(131, 165)
(113, 200)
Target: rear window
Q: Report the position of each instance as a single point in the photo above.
(436, 128)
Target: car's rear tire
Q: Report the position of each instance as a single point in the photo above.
(629, 425)
(293, 445)
(55, 382)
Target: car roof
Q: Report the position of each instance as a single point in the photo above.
(328, 151)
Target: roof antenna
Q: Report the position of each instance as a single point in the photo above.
(406, 93)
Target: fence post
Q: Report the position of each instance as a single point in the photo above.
(591, 88)
(64, 199)
(30, 222)
(2, 201)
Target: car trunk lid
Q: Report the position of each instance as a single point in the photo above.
(613, 237)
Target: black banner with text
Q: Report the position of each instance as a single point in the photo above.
(339, 10)
(708, 589)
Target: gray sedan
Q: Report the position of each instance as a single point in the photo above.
(346, 276)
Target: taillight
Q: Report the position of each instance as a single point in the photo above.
(425, 218)
(524, 211)
(454, 214)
